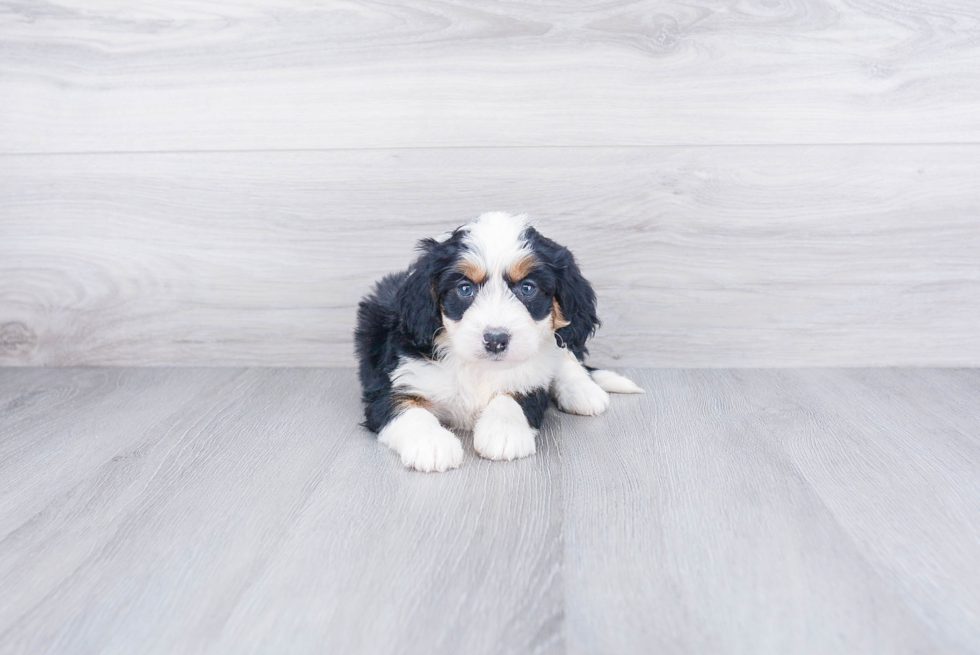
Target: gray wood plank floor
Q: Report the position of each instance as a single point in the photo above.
(726, 511)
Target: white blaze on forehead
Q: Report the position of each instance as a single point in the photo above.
(493, 241)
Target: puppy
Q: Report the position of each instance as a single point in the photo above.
(488, 323)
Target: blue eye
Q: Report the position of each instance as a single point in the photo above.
(465, 290)
(528, 289)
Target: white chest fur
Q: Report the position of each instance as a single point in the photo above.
(459, 390)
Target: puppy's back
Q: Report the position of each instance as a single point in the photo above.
(376, 318)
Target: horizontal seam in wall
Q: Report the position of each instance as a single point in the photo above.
(536, 147)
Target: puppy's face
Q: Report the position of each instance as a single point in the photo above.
(498, 299)
(499, 290)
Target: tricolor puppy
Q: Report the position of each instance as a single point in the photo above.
(488, 323)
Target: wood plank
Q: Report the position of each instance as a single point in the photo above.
(76, 77)
(743, 256)
(75, 453)
(51, 406)
(255, 515)
(769, 512)
(901, 476)
(229, 510)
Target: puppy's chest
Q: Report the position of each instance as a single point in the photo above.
(458, 393)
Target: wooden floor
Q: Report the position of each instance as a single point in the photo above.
(163, 510)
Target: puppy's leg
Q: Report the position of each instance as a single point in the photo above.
(502, 431)
(424, 445)
(575, 391)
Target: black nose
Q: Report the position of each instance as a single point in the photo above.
(495, 342)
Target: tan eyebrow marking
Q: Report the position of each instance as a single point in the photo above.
(558, 319)
(521, 268)
(472, 271)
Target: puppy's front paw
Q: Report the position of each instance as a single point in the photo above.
(502, 431)
(433, 451)
(424, 445)
(581, 396)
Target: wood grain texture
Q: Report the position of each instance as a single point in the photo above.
(245, 511)
(818, 511)
(197, 75)
(742, 256)
(726, 511)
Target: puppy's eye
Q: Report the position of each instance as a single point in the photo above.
(465, 290)
(528, 289)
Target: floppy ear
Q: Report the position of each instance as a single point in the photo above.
(577, 302)
(574, 294)
(417, 301)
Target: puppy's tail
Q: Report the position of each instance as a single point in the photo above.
(614, 383)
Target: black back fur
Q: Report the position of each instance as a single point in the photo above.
(400, 317)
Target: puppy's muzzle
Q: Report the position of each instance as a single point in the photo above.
(495, 342)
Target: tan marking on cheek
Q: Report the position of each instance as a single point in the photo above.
(521, 268)
(557, 318)
(472, 271)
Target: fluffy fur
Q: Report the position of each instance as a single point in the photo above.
(485, 326)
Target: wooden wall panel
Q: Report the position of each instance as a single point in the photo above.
(182, 75)
(748, 183)
(738, 256)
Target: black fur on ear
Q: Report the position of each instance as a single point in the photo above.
(573, 292)
(417, 301)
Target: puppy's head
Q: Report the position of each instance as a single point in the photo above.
(495, 290)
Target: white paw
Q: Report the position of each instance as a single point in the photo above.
(581, 396)
(502, 431)
(433, 451)
(424, 445)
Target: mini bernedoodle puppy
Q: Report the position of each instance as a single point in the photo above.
(488, 323)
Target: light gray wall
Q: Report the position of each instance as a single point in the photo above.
(746, 183)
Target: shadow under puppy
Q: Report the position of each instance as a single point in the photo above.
(488, 323)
